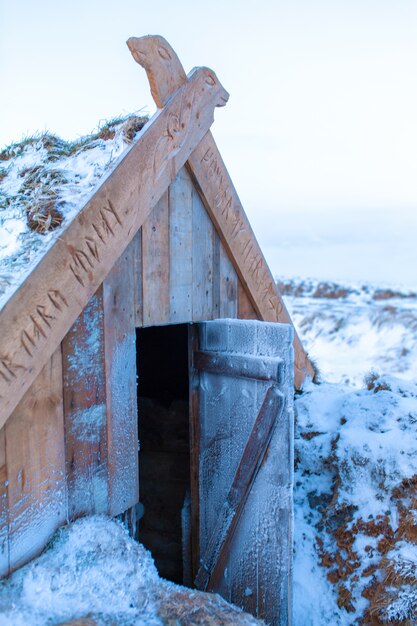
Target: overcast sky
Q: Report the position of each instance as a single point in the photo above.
(320, 132)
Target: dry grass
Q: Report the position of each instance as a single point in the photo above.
(39, 197)
(39, 193)
(374, 383)
(58, 148)
(388, 294)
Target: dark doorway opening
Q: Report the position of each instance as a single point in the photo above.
(164, 457)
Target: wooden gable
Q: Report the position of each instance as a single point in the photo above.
(163, 241)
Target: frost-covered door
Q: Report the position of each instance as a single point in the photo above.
(242, 463)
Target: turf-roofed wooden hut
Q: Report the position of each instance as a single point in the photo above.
(157, 277)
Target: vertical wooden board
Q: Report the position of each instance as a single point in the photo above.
(216, 275)
(194, 404)
(121, 393)
(137, 269)
(155, 265)
(245, 308)
(228, 286)
(85, 412)
(36, 465)
(180, 248)
(203, 254)
(4, 520)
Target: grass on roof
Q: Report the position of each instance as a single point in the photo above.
(39, 193)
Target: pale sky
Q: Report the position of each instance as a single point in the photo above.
(320, 132)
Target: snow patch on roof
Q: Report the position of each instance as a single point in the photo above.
(45, 181)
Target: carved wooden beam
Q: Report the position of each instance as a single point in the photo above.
(40, 313)
(166, 75)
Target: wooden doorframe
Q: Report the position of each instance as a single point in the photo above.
(194, 412)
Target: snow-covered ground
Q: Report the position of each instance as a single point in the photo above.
(95, 574)
(356, 457)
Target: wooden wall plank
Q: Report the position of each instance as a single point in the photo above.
(155, 262)
(228, 286)
(36, 465)
(120, 358)
(180, 248)
(245, 308)
(216, 275)
(85, 412)
(203, 255)
(138, 291)
(4, 518)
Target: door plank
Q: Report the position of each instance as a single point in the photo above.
(214, 560)
(240, 366)
(36, 465)
(85, 411)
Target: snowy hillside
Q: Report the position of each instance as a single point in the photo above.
(356, 457)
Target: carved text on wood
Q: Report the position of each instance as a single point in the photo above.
(235, 229)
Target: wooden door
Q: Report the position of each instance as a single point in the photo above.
(242, 463)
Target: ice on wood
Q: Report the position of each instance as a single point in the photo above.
(261, 548)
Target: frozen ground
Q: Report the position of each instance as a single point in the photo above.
(95, 574)
(356, 457)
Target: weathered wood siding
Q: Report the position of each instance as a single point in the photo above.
(33, 469)
(70, 447)
(185, 274)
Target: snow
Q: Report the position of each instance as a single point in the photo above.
(75, 170)
(352, 334)
(78, 575)
(356, 458)
(94, 569)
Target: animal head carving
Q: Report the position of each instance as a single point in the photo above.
(208, 80)
(164, 69)
(162, 65)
